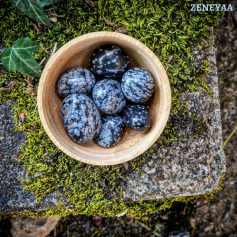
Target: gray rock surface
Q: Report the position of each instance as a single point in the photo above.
(13, 197)
(189, 166)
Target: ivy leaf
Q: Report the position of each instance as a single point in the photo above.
(33, 9)
(47, 2)
(20, 57)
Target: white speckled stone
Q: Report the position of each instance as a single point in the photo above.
(77, 80)
(108, 96)
(81, 118)
(111, 131)
(137, 85)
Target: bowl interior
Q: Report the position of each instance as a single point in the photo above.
(76, 53)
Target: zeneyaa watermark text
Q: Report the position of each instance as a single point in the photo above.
(211, 7)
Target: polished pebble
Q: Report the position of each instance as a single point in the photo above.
(108, 96)
(137, 85)
(138, 117)
(111, 131)
(81, 118)
(109, 61)
(76, 80)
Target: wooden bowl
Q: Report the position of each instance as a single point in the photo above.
(76, 53)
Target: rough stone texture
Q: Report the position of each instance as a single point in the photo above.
(13, 198)
(191, 166)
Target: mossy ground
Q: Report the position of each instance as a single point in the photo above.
(168, 28)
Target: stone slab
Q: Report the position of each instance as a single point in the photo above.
(193, 165)
(190, 166)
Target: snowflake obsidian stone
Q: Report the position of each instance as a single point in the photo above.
(76, 80)
(137, 117)
(81, 118)
(137, 85)
(108, 96)
(111, 131)
(109, 61)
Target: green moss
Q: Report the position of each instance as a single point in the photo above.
(170, 29)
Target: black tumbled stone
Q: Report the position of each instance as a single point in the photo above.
(111, 131)
(109, 61)
(138, 117)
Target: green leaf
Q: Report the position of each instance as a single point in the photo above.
(20, 57)
(33, 9)
(47, 2)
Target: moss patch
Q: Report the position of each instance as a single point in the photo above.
(168, 28)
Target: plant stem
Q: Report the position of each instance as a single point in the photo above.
(229, 136)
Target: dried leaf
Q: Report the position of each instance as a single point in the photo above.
(1, 155)
(35, 26)
(165, 217)
(109, 22)
(90, 3)
(42, 61)
(170, 58)
(47, 27)
(125, 164)
(97, 222)
(45, 50)
(21, 115)
(53, 19)
(11, 85)
(29, 80)
(45, 154)
(150, 9)
(192, 222)
(40, 26)
(29, 90)
(204, 41)
(55, 14)
(209, 228)
(121, 30)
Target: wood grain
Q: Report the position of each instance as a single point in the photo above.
(76, 53)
